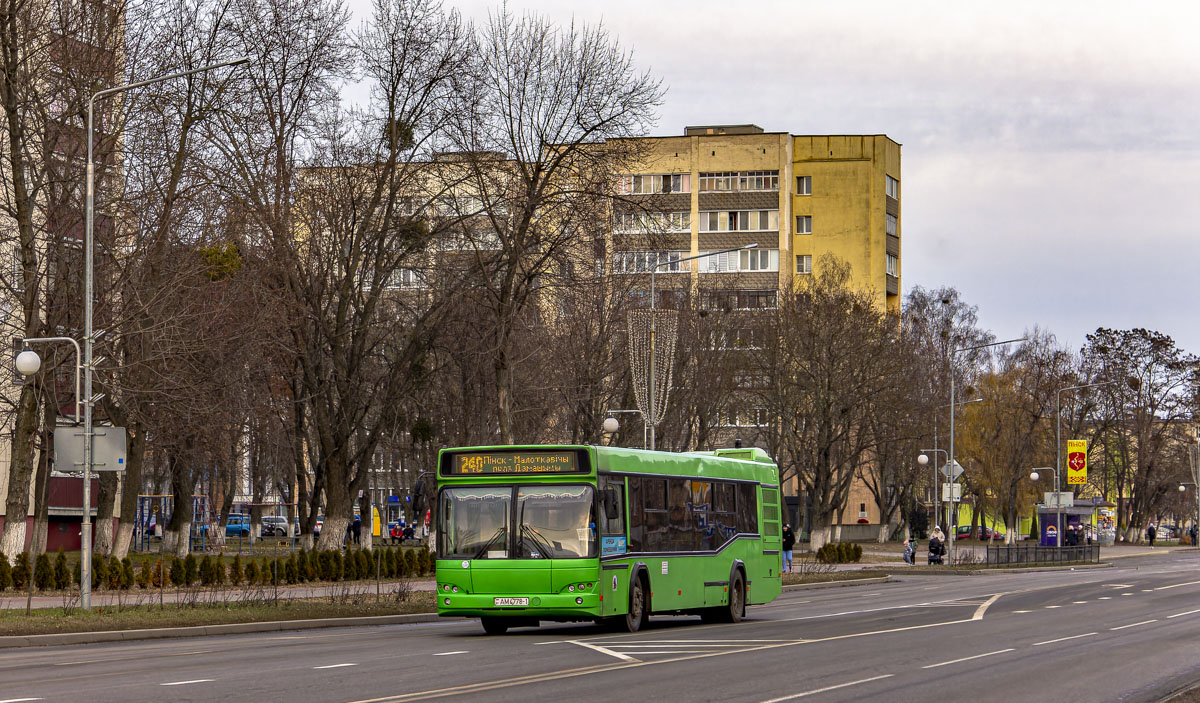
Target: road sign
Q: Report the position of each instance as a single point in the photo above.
(1076, 462)
(952, 470)
(1066, 499)
(952, 492)
(108, 449)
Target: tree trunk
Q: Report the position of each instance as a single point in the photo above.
(819, 536)
(106, 504)
(178, 535)
(131, 488)
(20, 474)
(41, 489)
(885, 531)
(368, 520)
(338, 506)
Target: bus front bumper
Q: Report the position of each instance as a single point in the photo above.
(473, 605)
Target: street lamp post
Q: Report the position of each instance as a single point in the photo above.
(28, 362)
(1034, 476)
(653, 414)
(85, 581)
(923, 459)
(954, 526)
(611, 425)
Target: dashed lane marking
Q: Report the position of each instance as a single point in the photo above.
(1144, 622)
(1022, 611)
(20, 700)
(184, 683)
(334, 666)
(1048, 607)
(1078, 602)
(1064, 639)
(446, 654)
(1124, 594)
(113, 659)
(1105, 597)
(1179, 615)
(828, 688)
(1177, 585)
(967, 659)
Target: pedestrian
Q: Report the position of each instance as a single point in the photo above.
(937, 546)
(910, 552)
(789, 541)
(357, 528)
(1193, 534)
(1151, 533)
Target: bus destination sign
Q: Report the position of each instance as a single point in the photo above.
(500, 463)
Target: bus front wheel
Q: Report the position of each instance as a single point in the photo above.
(638, 614)
(494, 625)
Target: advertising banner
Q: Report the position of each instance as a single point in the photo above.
(1076, 462)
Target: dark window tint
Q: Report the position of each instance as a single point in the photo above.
(747, 508)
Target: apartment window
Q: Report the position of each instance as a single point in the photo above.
(759, 260)
(893, 187)
(803, 185)
(893, 265)
(803, 224)
(862, 510)
(740, 261)
(743, 417)
(641, 222)
(647, 261)
(804, 263)
(739, 221)
(655, 183)
(405, 278)
(891, 225)
(739, 300)
(739, 180)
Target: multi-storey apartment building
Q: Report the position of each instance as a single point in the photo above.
(798, 197)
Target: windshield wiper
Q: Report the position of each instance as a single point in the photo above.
(541, 542)
(492, 540)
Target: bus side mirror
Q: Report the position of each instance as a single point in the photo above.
(612, 503)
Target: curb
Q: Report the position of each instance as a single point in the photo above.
(69, 638)
(985, 572)
(836, 584)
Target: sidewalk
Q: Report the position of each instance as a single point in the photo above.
(138, 596)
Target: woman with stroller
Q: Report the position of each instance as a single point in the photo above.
(937, 546)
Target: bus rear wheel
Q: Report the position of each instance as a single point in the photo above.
(638, 614)
(494, 625)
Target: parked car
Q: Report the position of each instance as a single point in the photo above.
(274, 525)
(237, 526)
(984, 533)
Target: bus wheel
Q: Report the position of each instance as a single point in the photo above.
(639, 612)
(494, 625)
(737, 599)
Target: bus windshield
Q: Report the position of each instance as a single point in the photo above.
(558, 522)
(551, 522)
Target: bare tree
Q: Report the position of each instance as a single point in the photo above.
(540, 130)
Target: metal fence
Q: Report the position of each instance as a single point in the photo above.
(1033, 554)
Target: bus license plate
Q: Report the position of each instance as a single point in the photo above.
(512, 601)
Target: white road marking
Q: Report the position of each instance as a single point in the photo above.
(22, 700)
(605, 650)
(1110, 585)
(333, 666)
(984, 606)
(113, 659)
(1048, 607)
(1144, 622)
(1144, 590)
(1101, 597)
(934, 666)
(1177, 585)
(1014, 612)
(1063, 639)
(1078, 602)
(1179, 615)
(828, 688)
(439, 654)
(1124, 594)
(184, 683)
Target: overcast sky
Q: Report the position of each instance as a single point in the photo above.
(1051, 150)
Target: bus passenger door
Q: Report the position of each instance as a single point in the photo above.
(613, 543)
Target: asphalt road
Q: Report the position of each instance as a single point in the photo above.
(1126, 633)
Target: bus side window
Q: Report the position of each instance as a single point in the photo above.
(612, 496)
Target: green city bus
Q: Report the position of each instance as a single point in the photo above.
(604, 534)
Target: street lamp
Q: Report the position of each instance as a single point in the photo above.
(1034, 476)
(954, 520)
(85, 580)
(923, 459)
(28, 362)
(653, 415)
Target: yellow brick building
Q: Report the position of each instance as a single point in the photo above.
(797, 197)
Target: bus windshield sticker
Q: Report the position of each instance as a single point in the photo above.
(532, 462)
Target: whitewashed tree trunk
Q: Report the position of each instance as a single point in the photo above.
(818, 538)
(177, 542)
(124, 538)
(12, 542)
(885, 529)
(104, 538)
(333, 532)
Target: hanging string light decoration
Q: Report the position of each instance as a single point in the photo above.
(665, 326)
